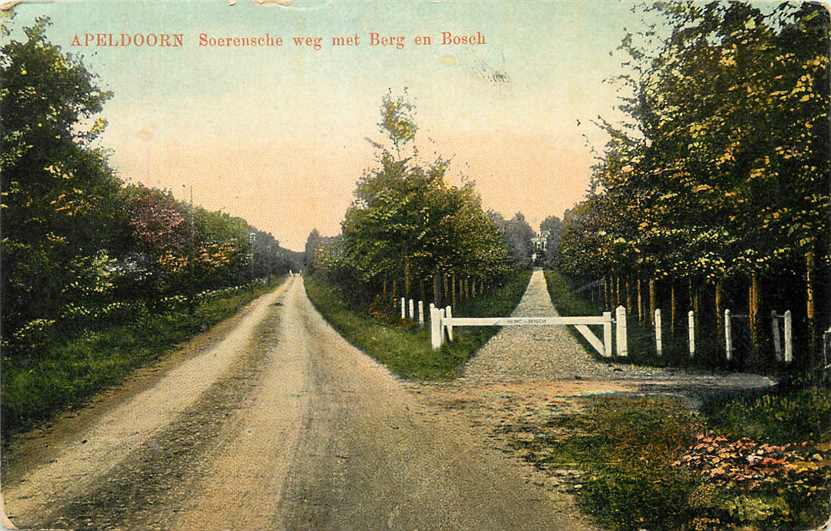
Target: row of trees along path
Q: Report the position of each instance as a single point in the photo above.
(80, 246)
(409, 233)
(714, 190)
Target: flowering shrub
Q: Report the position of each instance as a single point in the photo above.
(34, 332)
(759, 484)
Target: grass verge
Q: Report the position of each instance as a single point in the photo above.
(67, 373)
(404, 347)
(748, 462)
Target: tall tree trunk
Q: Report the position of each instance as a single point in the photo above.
(810, 309)
(453, 289)
(384, 291)
(753, 306)
(467, 288)
(718, 303)
(628, 293)
(673, 307)
(606, 304)
(422, 292)
(445, 290)
(697, 303)
(408, 280)
(653, 300)
(436, 289)
(395, 292)
(617, 289)
(640, 298)
(691, 294)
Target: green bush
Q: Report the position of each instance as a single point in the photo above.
(651, 462)
(67, 372)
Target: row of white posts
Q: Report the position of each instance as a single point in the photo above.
(442, 323)
(436, 316)
(412, 312)
(786, 330)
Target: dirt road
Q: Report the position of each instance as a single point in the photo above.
(278, 424)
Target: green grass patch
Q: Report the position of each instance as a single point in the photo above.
(404, 347)
(67, 373)
(776, 416)
(652, 463)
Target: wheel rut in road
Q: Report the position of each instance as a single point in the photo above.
(123, 445)
(373, 456)
(298, 430)
(148, 486)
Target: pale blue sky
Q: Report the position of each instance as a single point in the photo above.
(277, 135)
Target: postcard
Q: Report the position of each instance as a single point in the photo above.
(439, 264)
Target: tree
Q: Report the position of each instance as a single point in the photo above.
(718, 175)
(551, 227)
(58, 191)
(312, 245)
(406, 223)
(518, 235)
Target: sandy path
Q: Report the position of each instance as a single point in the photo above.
(92, 453)
(244, 484)
(373, 456)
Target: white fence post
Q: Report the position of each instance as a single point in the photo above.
(777, 339)
(420, 313)
(442, 329)
(622, 343)
(448, 312)
(659, 346)
(607, 334)
(403, 308)
(412, 310)
(691, 325)
(788, 337)
(728, 336)
(436, 334)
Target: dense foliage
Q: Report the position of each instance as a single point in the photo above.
(715, 188)
(81, 248)
(650, 462)
(550, 230)
(409, 232)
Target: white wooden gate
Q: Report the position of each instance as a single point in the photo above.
(442, 324)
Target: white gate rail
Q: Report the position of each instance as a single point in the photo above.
(442, 321)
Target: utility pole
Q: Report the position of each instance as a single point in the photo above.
(191, 253)
(252, 236)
